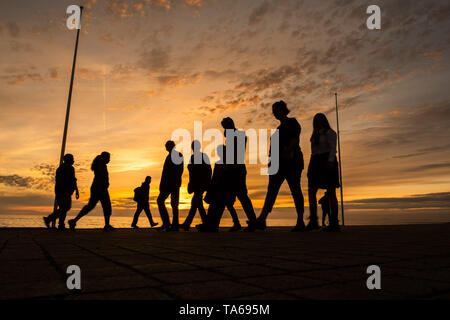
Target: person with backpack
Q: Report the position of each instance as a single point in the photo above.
(199, 179)
(142, 197)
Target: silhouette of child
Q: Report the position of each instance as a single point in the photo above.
(141, 196)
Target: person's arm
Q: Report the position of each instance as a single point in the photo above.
(332, 142)
(293, 142)
(182, 164)
(180, 168)
(106, 177)
(77, 193)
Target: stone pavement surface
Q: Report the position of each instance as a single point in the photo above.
(276, 264)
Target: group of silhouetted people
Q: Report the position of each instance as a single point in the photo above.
(66, 185)
(222, 186)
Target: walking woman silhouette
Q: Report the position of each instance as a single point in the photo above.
(99, 192)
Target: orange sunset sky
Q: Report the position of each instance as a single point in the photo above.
(148, 67)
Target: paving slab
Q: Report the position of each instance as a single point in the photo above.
(272, 265)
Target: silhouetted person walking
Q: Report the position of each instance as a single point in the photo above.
(199, 179)
(220, 193)
(65, 186)
(99, 192)
(170, 186)
(323, 171)
(290, 167)
(142, 198)
(236, 144)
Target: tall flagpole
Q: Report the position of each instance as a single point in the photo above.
(69, 102)
(340, 162)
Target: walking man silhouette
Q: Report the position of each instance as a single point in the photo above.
(199, 179)
(290, 167)
(236, 144)
(99, 192)
(65, 186)
(170, 186)
(141, 196)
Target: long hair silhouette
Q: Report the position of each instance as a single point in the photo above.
(320, 122)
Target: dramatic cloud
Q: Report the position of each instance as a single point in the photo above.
(179, 81)
(156, 59)
(259, 12)
(13, 29)
(17, 181)
(148, 67)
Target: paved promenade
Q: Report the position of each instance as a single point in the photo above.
(277, 264)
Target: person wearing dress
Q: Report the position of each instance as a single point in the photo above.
(323, 172)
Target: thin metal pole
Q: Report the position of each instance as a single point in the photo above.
(69, 102)
(340, 161)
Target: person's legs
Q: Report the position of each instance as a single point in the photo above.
(313, 220)
(137, 214)
(87, 208)
(275, 183)
(174, 201)
(54, 215)
(196, 198)
(233, 214)
(334, 208)
(324, 216)
(297, 194)
(149, 214)
(62, 218)
(162, 208)
(65, 204)
(216, 216)
(201, 208)
(212, 220)
(51, 218)
(107, 209)
(242, 195)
